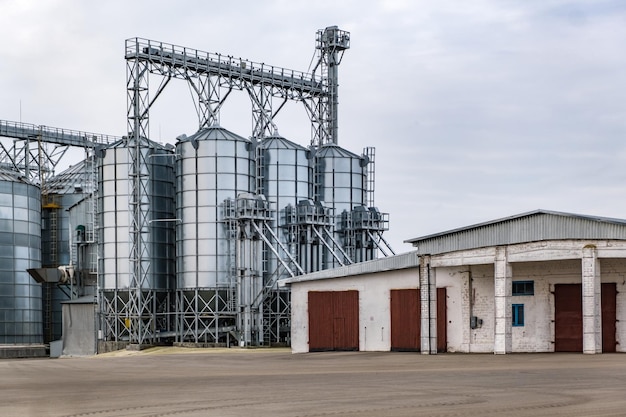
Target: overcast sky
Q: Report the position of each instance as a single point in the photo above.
(478, 109)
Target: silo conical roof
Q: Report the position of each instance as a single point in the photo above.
(66, 182)
(279, 142)
(213, 133)
(334, 150)
(122, 143)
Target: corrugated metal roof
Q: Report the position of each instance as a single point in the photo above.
(390, 263)
(145, 142)
(212, 133)
(526, 227)
(279, 142)
(12, 176)
(334, 150)
(74, 180)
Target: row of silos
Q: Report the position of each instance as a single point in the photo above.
(229, 199)
(188, 247)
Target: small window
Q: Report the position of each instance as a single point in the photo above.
(518, 315)
(523, 287)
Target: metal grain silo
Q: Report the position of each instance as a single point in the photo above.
(20, 250)
(116, 173)
(213, 165)
(286, 178)
(340, 185)
(285, 175)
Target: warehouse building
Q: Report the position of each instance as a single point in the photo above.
(541, 281)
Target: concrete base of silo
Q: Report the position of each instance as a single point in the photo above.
(138, 347)
(105, 346)
(22, 351)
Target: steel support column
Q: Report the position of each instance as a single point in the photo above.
(141, 296)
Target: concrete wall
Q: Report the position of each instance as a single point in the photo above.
(374, 306)
(78, 329)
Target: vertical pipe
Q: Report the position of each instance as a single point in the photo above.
(333, 84)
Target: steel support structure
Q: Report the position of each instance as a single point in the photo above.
(140, 311)
(370, 154)
(262, 110)
(331, 43)
(208, 76)
(254, 311)
(307, 227)
(210, 73)
(362, 233)
(37, 149)
(206, 316)
(260, 304)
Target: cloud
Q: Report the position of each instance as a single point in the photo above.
(478, 110)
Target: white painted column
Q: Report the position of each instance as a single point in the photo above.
(592, 303)
(428, 307)
(433, 311)
(503, 273)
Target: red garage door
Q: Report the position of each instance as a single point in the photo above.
(568, 317)
(442, 321)
(406, 320)
(609, 318)
(333, 320)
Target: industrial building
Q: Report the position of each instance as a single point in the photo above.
(184, 243)
(251, 238)
(541, 281)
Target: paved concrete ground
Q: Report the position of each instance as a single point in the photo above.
(267, 382)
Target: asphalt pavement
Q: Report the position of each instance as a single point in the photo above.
(274, 382)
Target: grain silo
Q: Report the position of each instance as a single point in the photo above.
(20, 250)
(212, 166)
(286, 174)
(340, 181)
(120, 286)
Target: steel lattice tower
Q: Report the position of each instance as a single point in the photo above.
(331, 44)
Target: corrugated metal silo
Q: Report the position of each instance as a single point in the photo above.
(340, 185)
(115, 212)
(212, 165)
(287, 179)
(286, 175)
(20, 250)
